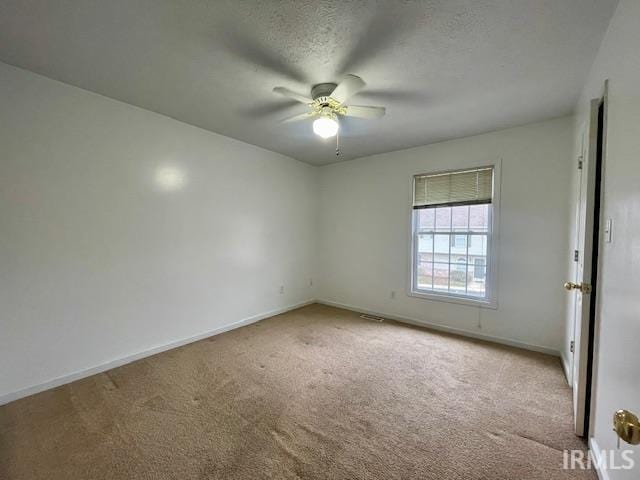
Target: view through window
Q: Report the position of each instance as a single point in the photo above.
(452, 249)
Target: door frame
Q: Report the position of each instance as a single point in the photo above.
(587, 349)
(595, 337)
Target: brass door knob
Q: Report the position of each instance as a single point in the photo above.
(583, 287)
(627, 426)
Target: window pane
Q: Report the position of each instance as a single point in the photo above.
(425, 246)
(458, 245)
(441, 247)
(459, 258)
(425, 275)
(458, 276)
(441, 276)
(476, 288)
(477, 266)
(454, 260)
(426, 218)
(460, 218)
(479, 269)
(478, 246)
(479, 218)
(443, 219)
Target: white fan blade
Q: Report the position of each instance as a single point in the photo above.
(296, 118)
(360, 111)
(288, 93)
(347, 88)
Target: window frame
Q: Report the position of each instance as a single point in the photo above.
(491, 267)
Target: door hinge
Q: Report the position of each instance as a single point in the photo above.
(575, 255)
(572, 346)
(580, 163)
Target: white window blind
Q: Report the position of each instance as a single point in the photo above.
(465, 187)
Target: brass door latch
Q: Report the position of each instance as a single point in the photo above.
(583, 287)
(627, 427)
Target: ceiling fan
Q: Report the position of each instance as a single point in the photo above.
(328, 103)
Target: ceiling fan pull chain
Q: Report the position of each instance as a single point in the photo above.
(338, 143)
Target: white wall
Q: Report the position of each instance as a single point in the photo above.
(99, 261)
(618, 363)
(365, 232)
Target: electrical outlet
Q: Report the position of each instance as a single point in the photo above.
(281, 288)
(393, 294)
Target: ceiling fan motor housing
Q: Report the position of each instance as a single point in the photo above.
(322, 91)
(328, 101)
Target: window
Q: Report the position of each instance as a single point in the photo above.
(452, 235)
(479, 269)
(459, 241)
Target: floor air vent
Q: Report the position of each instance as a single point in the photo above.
(372, 318)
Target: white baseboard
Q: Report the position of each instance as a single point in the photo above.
(62, 380)
(565, 367)
(596, 455)
(445, 328)
(71, 377)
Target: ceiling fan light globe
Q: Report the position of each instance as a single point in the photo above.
(325, 127)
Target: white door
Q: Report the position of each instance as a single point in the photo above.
(580, 286)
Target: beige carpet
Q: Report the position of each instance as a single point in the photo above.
(314, 393)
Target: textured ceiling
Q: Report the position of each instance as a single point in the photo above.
(443, 68)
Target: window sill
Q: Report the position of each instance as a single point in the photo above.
(459, 299)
